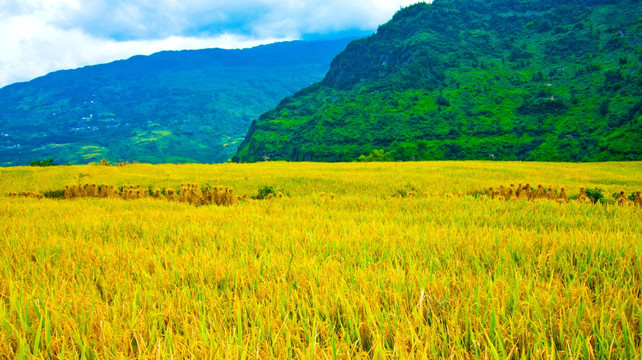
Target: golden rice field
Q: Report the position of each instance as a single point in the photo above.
(356, 274)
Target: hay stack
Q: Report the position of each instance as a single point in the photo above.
(582, 197)
(230, 199)
(563, 198)
(528, 192)
(539, 193)
(68, 193)
(91, 190)
(622, 199)
(171, 195)
(550, 194)
(511, 194)
(158, 195)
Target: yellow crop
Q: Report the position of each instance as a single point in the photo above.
(346, 261)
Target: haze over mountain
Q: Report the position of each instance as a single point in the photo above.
(473, 79)
(185, 106)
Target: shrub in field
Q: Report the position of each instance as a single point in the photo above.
(265, 191)
(595, 195)
(55, 194)
(377, 155)
(43, 163)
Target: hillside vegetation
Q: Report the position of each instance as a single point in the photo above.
(187, 106)
(361, 260)
(473, 79)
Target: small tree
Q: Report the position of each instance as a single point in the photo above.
(377, 155)
(265, 191)
(43, 163)
(595, 195)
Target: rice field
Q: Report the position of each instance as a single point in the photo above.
(352, 261)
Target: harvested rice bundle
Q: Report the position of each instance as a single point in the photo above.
(69, 194)
(171, 195)
(527, 191)
(91, 190)
(622, 199)
(563, 198)
(550, 194)
(539, 193)
(582, 197)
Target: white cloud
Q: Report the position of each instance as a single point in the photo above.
(153, 18)
(36, 48)
(40, 36)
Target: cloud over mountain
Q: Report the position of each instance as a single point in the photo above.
(38, 36)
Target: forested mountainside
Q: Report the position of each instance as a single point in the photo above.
(473, 79)
(185, 106)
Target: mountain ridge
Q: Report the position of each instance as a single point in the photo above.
(508, 80)
(171, 106)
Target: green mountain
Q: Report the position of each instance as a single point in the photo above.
(473, 79)
(187, 106)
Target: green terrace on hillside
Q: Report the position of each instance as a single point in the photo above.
(187, 106)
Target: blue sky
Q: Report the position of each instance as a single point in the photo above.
(40, 36)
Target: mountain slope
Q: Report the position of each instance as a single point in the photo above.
(187, 106)
(473, 79)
